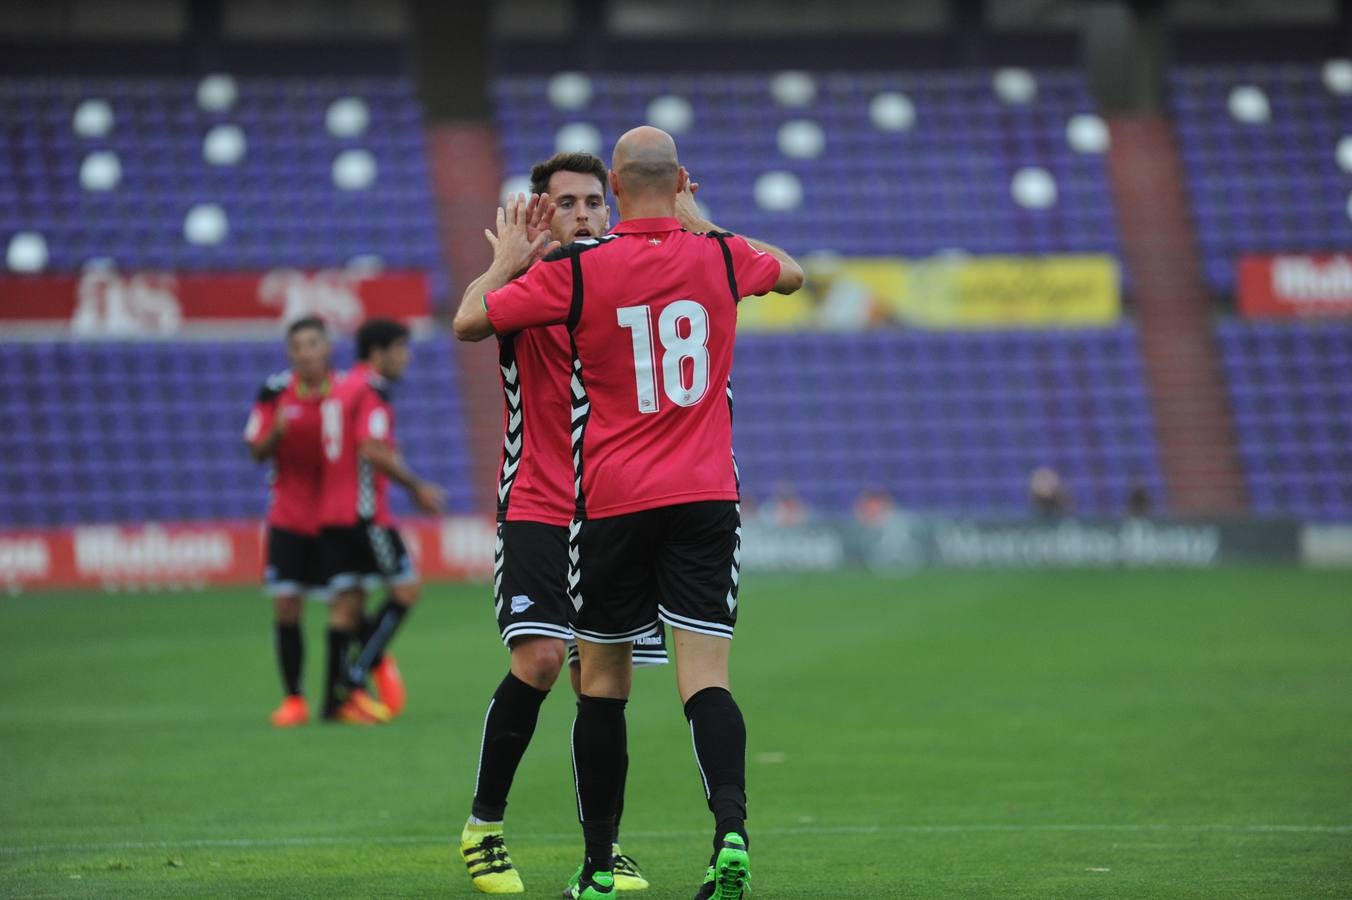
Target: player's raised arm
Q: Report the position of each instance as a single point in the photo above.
(429, 497)
(264, 430)
(687, 212)
(522, 238)
(375, 444)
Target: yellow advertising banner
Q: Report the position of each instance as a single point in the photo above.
(944, 292)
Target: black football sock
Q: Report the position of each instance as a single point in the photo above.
(619, 796)
(367, 627)
(335, 682)
(385, 624)
(599, 741)
(719, 734)
(508, 728)
(290, 652)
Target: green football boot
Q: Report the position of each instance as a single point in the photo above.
(729, 878)
(601, 884)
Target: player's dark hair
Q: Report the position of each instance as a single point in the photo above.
(582, 163)
(308, 323)
(379, 334)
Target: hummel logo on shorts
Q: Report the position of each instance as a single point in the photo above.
(520, 603)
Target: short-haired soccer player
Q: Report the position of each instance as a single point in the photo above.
(535, 507)
(284, 428)
(652, 313)
(362, 547)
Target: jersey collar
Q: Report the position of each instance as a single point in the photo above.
(367, 372)
(323, 391)
(647, 226)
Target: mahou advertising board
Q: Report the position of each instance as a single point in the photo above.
(1293, 286)
(128, 557)
(106, 303)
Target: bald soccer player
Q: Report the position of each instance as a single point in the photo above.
(652, 312)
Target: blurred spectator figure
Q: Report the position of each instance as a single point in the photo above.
(784, 508)
(874, 507)
(843, 303)
(1048, 493)
(1139, 502)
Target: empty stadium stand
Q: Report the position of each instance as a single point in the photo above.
(151, 431)
(1263, 147)
(131, 432)
(264, 172)
(945, 422)
(1291, 389)
(884, 164)
(212, 175)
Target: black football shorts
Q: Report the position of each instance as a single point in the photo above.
(295, 564)
(366, 556)
(688, 555)
(530, 590)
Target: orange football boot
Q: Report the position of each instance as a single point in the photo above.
(291, 713)
(365, 707)
(390, 685)
(351, 714)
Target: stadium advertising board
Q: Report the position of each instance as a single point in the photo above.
(105, 303)
(458, 548)
(951, 291)
(904, 543)
(1133, 543)
(1295, 286)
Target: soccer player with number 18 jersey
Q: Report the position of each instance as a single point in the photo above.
(652, 313)
(535, 507)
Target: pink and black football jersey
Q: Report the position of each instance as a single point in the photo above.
(297, 465)
(358, 409)
(652, 313)
(535, 477)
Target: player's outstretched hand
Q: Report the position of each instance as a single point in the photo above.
(429, 497)
(539, 215)
(522, 232)
(687, 210)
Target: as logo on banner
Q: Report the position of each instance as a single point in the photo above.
(332, 294)
(24, 558)
(110, 304)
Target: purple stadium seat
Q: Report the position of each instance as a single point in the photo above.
(158, 135)
(1262, 187)
(1292, 399)
(945, 182)
(958, 425)
(138, 431)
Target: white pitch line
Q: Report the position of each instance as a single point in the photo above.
(448, 839)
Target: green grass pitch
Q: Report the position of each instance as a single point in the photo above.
(1038, 735)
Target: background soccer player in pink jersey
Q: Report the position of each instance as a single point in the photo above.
(284, 428)
(362, 546)
(652, 313)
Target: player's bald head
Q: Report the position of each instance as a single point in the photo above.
(645, 161)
